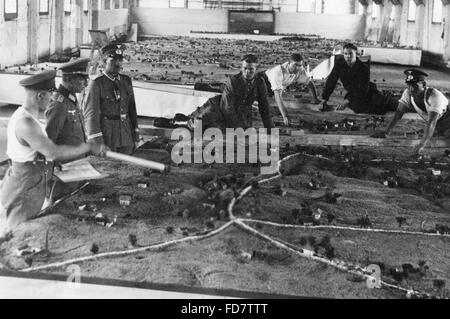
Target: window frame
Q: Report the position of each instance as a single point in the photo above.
(311, 6)
(432, 13)
(375, 8)
(11, 16)
(44, 13)
(67, 13)
(409, 12)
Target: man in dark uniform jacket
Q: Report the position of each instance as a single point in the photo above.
(233, 109)
(362, 95)
(109, 108)
(64, 118)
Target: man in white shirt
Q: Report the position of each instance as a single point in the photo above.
(31, 154)
(284, 75)
(429, 103)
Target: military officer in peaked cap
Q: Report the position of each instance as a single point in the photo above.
(64, 119)
(109, 108)
(429, 103)
(31, 154)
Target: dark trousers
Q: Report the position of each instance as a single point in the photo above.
(376, 103)
(209, 113)
(443, 125)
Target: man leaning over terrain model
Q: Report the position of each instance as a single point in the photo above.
(362, 95)
(429, 103)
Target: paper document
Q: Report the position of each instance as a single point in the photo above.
(77, 171)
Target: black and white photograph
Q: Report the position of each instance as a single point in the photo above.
(199, 150)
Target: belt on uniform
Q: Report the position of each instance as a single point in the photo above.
(116, 117)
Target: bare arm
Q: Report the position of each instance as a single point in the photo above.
(401, 110)
(429, 131)
(280, 103)
(313, 91)
(29, 131)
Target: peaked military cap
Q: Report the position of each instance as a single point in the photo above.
(76, 67)
(113, 51)
(44, 81)
(415, 75)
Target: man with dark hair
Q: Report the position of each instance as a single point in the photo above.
(362, 95)
(31, 154)
(110, 108)
(429, 103)
(233, 109)
(280, 77)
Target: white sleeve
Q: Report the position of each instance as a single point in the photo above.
(406, 99)
(437, 102)
(304, 77)
(275, 76)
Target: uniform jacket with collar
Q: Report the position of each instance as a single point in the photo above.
(64, 119)
(109, 110)
(355, 79)
(237, 100)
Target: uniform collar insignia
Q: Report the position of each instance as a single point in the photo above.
(72, 97)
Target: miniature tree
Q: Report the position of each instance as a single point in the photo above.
(330, 218)
(312, 240)
(400, 220)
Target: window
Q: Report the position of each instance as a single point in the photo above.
(195, 4)
(43, 7)
(11, 9)
(85, 5)
(393, 13)
(106, 4)
(116, 4)
(67, 8)
(437, 11)
(336, 7)
(375, 10)
(319, 7)
(412, 11)
(176, 3)
(125, 4)
(360, 8)
(154, 3)
(305, 5)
